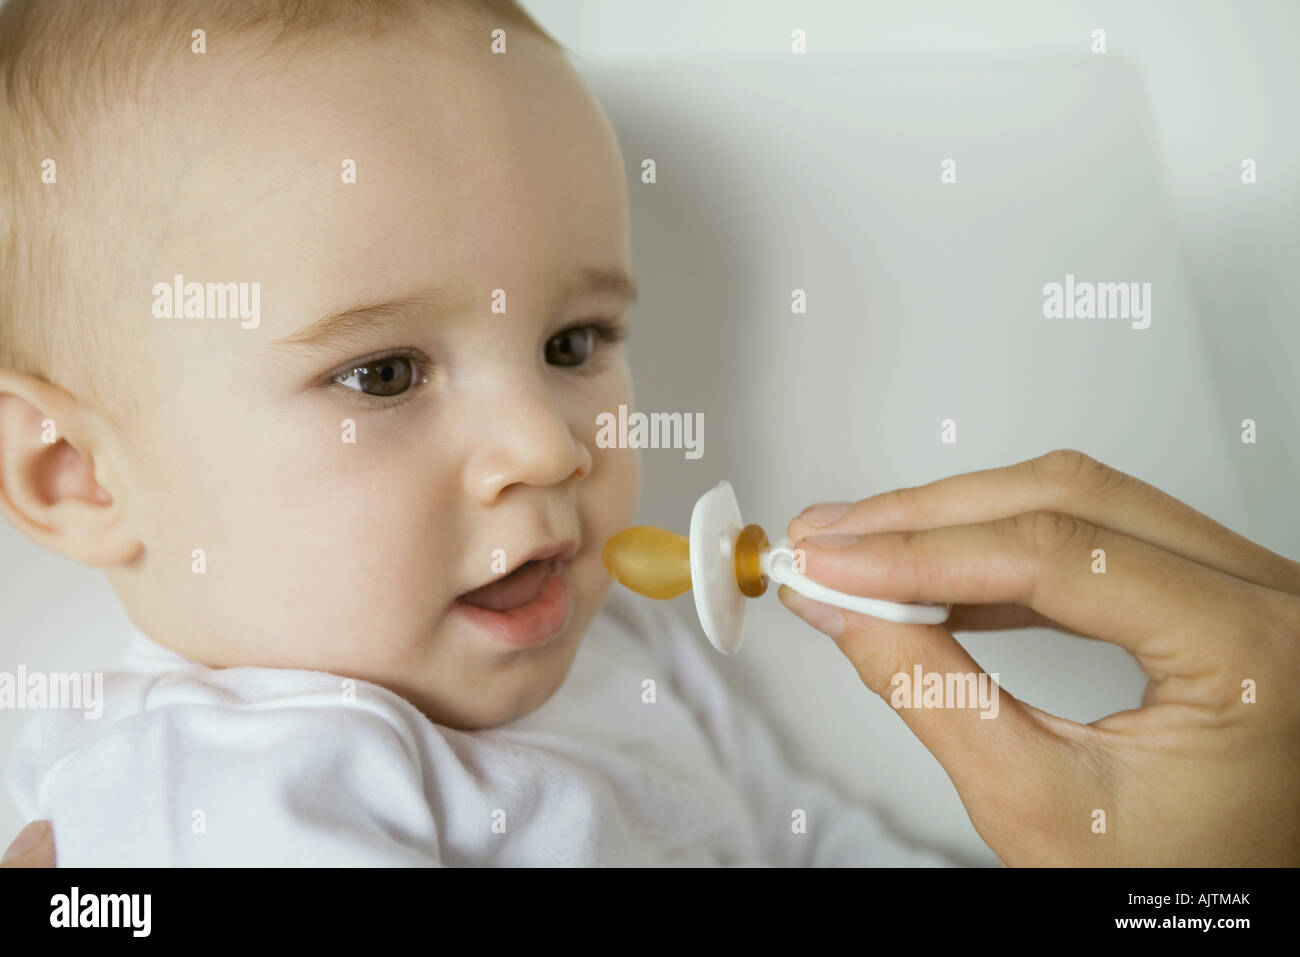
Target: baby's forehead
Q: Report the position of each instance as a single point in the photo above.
(300, 149)
(363, 178)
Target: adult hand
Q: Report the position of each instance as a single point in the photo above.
(33, 847)
(1205, 772)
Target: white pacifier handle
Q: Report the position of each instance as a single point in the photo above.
(778, 565)
(716, 524)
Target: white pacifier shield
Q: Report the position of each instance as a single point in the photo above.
(715, 525)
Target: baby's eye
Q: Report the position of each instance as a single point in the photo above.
(570, 347)
(381, 377)
(574, 346)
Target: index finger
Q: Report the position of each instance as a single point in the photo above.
(1070, 482)
(1142, 599)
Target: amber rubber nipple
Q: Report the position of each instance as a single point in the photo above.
(723, 562)
(656, 563)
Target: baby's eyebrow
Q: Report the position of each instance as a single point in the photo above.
(350, 325)
(353, 324)
(611, 281)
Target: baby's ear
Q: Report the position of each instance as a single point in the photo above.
(48, 488)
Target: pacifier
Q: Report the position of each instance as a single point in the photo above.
(724, 562)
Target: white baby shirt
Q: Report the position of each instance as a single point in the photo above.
(192, 766)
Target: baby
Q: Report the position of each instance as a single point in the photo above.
(307, 313)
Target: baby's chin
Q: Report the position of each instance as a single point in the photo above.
(507, 684)
(496, 701)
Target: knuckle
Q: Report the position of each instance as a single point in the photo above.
(1047, 530)
(879, 665)
(875, 670)
(1056, 470)
(893, 508)
(902, 499)
(918, 572)
(908, 561)
(1069, 472)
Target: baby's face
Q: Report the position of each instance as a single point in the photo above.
(341, 513)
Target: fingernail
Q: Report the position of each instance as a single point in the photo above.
(825, 618)
(833, 540)
(27, 839)
(824, 513)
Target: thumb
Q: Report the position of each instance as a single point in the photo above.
(33, 847)
(987, 740)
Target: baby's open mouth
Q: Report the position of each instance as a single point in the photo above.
(520, 587)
